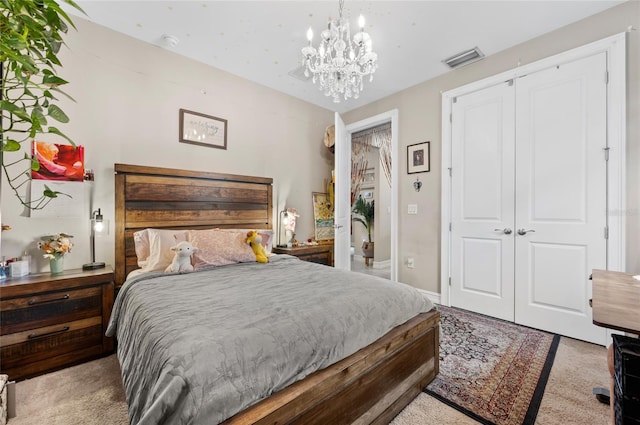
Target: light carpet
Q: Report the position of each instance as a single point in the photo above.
(92, 394)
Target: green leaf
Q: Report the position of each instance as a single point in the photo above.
(35, 164)
(10, 146)
(57, 114)
(54, 130)
(52, 193)
(53, 80)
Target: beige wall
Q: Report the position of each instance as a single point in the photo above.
(420, 120)
(128, 94)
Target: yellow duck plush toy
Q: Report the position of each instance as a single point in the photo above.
(255, 240)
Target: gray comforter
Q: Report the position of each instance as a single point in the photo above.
(199, 347)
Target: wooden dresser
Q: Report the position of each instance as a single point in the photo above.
(48, 322)
(322, 253)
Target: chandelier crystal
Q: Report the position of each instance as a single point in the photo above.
(339, 62)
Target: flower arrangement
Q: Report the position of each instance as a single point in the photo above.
(55, 246)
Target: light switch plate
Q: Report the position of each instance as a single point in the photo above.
(412, 209)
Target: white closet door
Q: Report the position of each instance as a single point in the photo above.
(560, 196)
(482, 257)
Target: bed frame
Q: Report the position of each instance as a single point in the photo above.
(369, 387)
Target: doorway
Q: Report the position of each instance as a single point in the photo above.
(343, 148)
(371, 201)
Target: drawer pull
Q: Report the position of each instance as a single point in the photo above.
(33, 301)
(34, 336)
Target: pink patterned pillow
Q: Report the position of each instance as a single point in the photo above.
(218, 248)
(265, 234)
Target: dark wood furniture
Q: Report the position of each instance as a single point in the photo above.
(321, 253)
(369, 387)
(626, 380)
(166, 198)
(48, 322)
(615, 301)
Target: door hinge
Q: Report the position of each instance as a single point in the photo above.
(606, 77)
(450, 171)
(606, 232)
(451, 118)
(449, 280)
(450, 226)
(454, 100)
(606, 153)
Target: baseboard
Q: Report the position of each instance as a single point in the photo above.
(434, 297)
(379, 264)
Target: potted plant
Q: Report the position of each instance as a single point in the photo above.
(30, 39)
(366, 214)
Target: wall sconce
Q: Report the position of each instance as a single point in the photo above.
(417, 184)
(99, 226)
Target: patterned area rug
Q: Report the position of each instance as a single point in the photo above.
(491, 370)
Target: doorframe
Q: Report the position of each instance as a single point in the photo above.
(615, 49)
(384, 117)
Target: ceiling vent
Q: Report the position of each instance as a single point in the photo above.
(464, 58)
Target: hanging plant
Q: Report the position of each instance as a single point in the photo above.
(30, 39)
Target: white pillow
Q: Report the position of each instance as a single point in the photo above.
(156, 245)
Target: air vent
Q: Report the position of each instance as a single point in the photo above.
(299, 73)
(464, 58)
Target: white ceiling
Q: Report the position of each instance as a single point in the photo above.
(261, 40)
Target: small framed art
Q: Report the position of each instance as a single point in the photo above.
(201, 129)
(323, 217)
(419, 158)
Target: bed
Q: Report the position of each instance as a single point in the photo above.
(365, 379)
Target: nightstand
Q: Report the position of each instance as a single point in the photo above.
(48, 322)
(322, 253)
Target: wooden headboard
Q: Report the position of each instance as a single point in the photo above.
(182, 199)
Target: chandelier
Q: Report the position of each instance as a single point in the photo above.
(339, 63)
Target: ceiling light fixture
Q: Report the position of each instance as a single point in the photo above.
(339, 63)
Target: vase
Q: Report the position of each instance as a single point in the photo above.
(367, 249)
(56, 265)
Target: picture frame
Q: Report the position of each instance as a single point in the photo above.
(323, 218)
(419, 158)
(201, 129)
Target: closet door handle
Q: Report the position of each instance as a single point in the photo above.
(523, 232)
(506, 230)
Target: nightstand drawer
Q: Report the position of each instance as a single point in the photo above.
(41, 310)
(48, 342)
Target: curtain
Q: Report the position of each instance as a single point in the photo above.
(361, 143)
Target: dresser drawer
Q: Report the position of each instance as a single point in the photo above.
(52, 308)
(42, 344)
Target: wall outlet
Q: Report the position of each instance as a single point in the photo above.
(410, 263)
(412, 209)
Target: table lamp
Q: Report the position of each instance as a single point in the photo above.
(98, 226)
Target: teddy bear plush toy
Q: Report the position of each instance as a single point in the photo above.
(255, 240)
(182, 258)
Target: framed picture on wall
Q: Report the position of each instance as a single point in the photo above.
(323, 217)
(419, 158)
(201, 129)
